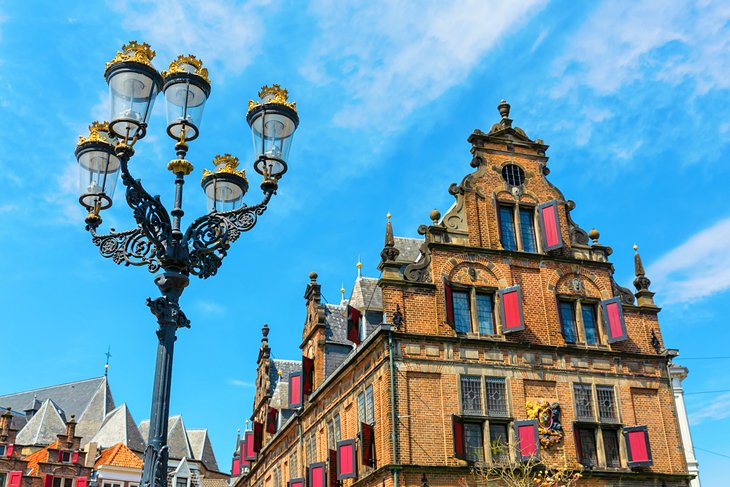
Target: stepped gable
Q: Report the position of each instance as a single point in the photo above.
(119, 427)
(71, 398)
(119, 455)
(202, 448)
(41, 456)
(43, 428)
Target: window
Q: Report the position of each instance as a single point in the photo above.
(583, 331)
(496, 399)
(181, 482)
(62, 482)
(610, 447)
(2, 454)
(369, 405)
(583, 401)
(513, 174)
(112, 484)
(471, 394)
(277, 477)
(462, 312)
(485, 313)
(293, 465)
(474, 442)
(65, 456)
(606, 403)
(527, 228)
(311, 450)
(361, 407)
(333, 432)
(567, 321)
(499, 442)
(587, 446)
(507, 227)
(2, 479)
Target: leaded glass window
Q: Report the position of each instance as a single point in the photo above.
(587, 439)
(610, 447)
(567, 319)
(277, 477)
(496, 396)
(293, 466)
(507, 227)
(369, 405)
(499, 442)
(485, 314)
(583, 401)
(361, 407)
(462, 314)
(606, 403)
(471, 394)
(338, 435)
(527, 227)
(474, 442)
(588, 312)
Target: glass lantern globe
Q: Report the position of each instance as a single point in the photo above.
(187, 88)
(273, 120)
(133, 86)
(98, 168)
(225, 186)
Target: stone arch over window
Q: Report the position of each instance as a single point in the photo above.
(563, 283)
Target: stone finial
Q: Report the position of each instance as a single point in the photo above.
(503, 108)
(265, 332)
(313, 276)
(390, 252)
(641, 282)
(594, 235)
(359, 268)
(265, 350)
(435, 216)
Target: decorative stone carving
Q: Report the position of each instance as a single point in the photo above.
(577, 234)
(627, 297)
(549, 427)
(419, 270)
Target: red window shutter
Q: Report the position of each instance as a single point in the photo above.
(510, 308)
(295, 390)
(9, 450)
(48, 481)
(333, 469)
(527, 439)
(299, 482)
(81, 482)
(346, 460)
(307, 375)
(353, 324)
(637, 446)
(271, 417)
(550, 225)
(249, 446)
(244, 463)
(457, 425)
(367, 444)
(318, 475)
(449, 303)
(60, 455)
(15, 478)
(75, 457)
(236, 467)
(613, 315)
(258, 436)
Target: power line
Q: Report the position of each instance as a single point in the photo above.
(713, 452)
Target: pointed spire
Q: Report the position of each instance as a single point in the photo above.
(644, 297)
(359, 268)
(108, 356)
(390, 252)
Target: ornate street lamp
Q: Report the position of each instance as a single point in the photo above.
(158, 241)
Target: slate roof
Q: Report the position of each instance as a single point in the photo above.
(286, 367)
(71, 398)
(119, 427)
(409, 249)
(177, 438)
(366, 294)
(119, 455)
(335, 321)
(18, 419)
(44, 426)
(202, 448)
(95, 413)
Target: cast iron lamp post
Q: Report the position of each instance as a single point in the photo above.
(157, 241)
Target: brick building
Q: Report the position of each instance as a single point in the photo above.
(501, 335)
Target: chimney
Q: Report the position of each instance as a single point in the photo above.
(5, 421)
(70, 430)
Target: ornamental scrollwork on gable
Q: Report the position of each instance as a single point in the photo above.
(549, 427)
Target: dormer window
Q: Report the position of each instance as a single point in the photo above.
(517, 227)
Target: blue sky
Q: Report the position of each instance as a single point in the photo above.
(632, 97)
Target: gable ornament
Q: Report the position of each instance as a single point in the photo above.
(549, 427)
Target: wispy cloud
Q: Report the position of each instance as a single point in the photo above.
(676, 274)
(211, 308)
(223, 33)
(241, 383)
(622, 42)
(390, 58)
(716, 410)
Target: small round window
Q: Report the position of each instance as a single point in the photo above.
(513, 174)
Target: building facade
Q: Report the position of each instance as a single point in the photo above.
(499, 337)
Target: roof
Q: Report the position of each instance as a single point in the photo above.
(44, 426)
(177, 438)
(286, 367)
(410, 248)
(367, 295)
(119, 455)
(213, 482)
(335, 322)
(40, 456)
(119, 427)
(202, 448)
(71, 398)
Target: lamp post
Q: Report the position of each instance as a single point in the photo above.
(158, 241)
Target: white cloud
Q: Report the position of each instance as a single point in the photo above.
(387, 59)
(622, 42)
(209, 307)
(698, 268)
(714, 410)
(240, 383)
(222, 33)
